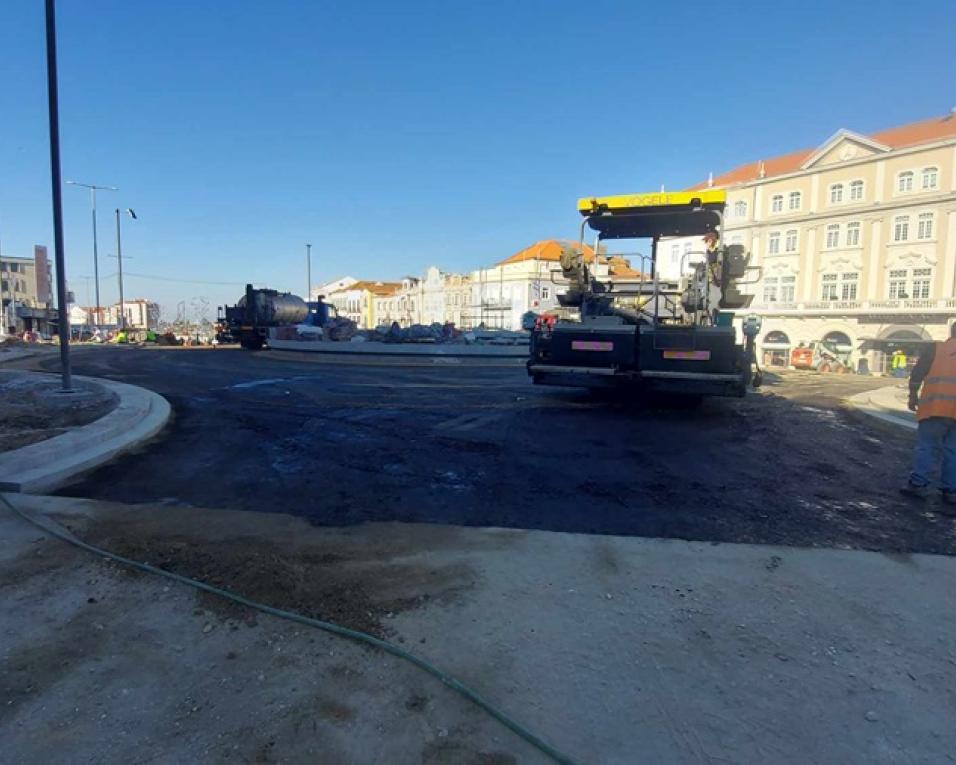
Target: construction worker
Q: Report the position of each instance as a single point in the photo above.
(935, 409)
(712, 251)
(711, 246)
(898, 363)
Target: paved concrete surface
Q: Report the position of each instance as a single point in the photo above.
(616, 650)
(888, 404)
(136, 416)
(341, 441)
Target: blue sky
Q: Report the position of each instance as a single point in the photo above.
(397, 135)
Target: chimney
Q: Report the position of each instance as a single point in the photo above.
(762, 170)
(710, 180)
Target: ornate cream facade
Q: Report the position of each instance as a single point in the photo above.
(856, 240)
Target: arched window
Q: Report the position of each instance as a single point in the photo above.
(838, 339)
(776, 349)
(930, 177)
(740, 209)
(904, 182)
(836, 193)
(777, 337)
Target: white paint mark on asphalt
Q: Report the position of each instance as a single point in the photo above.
(255, 383)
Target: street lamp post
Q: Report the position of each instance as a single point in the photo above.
(308, 271)
(53, 106)
(119, 261)
(96, 265)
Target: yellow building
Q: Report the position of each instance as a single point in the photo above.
(358, 301)
(856, 240)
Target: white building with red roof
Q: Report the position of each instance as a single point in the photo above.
(855, 239)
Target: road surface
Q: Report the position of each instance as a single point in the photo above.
(341, 441)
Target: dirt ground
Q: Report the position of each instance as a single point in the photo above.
(616, 650)
(34, 407)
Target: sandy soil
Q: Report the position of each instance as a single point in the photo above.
(34, 407)
(614, 649)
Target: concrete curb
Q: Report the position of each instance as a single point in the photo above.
(387, 349)
(47, 465)
(879, 404)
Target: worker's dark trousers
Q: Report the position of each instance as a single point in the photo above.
(935, 448)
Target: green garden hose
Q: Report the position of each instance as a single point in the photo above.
(336, 629)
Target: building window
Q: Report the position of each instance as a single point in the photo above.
(675, 254)
(770, 289)
(833, 236)
(829, 287)
(788, 286)
(904, 182)
(792, 238)
(922, 280)
(687, 247)
(853, 234)
(924, 226)
(901, 228)
(930, 177)
(545, 293)
(836, 193)
(773, 243)
(848, 284)
(796, 199)
(776, 203)
(856, 191)
(740, 209)
(898, 284)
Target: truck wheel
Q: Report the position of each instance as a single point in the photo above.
(251, 341)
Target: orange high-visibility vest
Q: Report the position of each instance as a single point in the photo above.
(938, 397)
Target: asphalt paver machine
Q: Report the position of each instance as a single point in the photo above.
(652, 334)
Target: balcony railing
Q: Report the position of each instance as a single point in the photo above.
(496, 303)
(859, 306)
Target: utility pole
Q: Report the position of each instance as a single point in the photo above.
(53, 104)
(96, 261)
(308, 271)
(119, 261)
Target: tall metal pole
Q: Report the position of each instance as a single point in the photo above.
(119, 260)
(96, 260)
(308, 267)
(54, 110)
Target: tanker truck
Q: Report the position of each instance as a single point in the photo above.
(259, 310)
